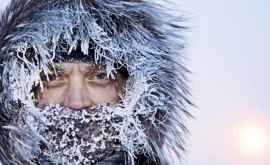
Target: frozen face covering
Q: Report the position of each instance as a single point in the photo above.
(141, 36)
(77, 137)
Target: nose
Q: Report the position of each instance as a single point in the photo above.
(75, 95)
(75, 99)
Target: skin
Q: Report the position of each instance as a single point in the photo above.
(79, 85)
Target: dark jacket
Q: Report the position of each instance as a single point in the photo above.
(138, 34)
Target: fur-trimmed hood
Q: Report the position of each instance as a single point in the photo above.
(138, 34)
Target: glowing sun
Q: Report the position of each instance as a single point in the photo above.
(253, 141)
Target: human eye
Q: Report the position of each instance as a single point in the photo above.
(54, 79)
(98, 78)
(101, 76)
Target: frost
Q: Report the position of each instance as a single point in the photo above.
(152, 107)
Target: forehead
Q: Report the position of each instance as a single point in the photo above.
(80, 66)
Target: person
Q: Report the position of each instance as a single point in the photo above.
(92, 82)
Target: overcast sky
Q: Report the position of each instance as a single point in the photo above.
(228, 53)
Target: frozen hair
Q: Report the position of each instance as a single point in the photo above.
(139, 34)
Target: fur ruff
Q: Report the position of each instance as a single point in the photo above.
(138, 34)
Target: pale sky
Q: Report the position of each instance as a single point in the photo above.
(228, 54)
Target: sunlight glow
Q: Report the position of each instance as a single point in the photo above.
(254, 141)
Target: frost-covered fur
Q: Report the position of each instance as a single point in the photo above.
(137, 34)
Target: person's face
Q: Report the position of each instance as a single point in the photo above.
(79, 85)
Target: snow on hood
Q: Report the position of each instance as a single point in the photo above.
(139, 35)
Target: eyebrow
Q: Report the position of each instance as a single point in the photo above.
(91, 70)
(87, 69)
(90, 67)
(57, 69)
